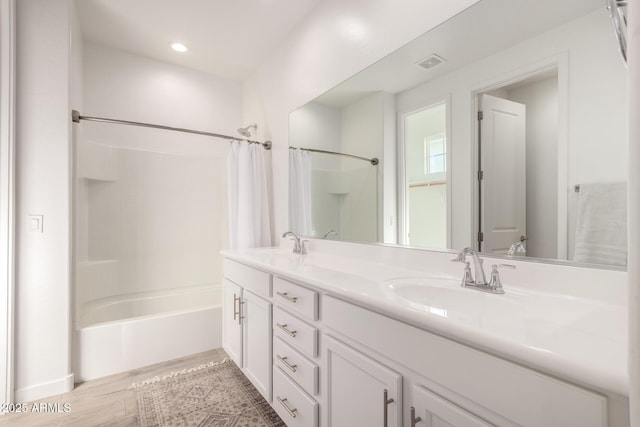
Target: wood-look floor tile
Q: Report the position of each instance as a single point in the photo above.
(106, 401)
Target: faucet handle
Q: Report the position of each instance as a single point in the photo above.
(303, 248)
(460, 258)
(467, 279)
(495, 282)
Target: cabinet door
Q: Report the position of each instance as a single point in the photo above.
(360, 391)
(432, 410)
(231, 322)
(256, 343)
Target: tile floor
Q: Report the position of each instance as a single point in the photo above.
(105, 401)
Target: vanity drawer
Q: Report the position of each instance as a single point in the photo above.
(291, 403)
(296, 298)
(295, 332)
(249, 278)
(296, 366)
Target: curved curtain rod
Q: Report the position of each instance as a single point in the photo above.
(374, 161)
(76, 117)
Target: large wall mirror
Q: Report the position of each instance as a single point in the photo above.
(503, 129)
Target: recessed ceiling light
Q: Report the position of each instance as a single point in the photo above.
(178, 47)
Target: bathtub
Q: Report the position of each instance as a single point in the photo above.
(117, 334)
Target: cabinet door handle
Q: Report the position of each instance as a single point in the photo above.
(286, 363)
(385, 408)
(283, 402)
(240, 316)
(288, 331)
(235, 310)
(414, 420)
(286, 296)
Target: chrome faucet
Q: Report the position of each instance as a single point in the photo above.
(518, 247)
(480, 282)
(298, 247)
(477, 267)
(330, 232)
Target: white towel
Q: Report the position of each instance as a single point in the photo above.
(601, 231)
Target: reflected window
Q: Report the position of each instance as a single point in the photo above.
(425, 177)
(435, 157)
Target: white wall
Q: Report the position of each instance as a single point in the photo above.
(340, 38)
(7, 195)
(124, 86)
(633, 267)
(585, 39)
(43, 130)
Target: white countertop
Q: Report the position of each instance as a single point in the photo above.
(576, 338)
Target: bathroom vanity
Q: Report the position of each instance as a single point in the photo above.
(363, 335)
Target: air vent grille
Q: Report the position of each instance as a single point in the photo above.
(431, 61)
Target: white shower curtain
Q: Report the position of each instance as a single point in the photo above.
(300, 192)
(249, 224)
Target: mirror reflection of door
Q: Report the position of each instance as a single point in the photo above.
(502, 173)
(425, 177)
(518, 160)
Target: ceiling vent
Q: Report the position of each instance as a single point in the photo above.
(431, 61)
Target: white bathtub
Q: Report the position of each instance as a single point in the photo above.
(118, 334)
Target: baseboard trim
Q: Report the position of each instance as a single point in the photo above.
(40, 391)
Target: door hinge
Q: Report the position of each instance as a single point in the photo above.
(480, 175)
(480, 115)
(480, 236)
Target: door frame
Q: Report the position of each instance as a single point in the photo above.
(403, 212)
(7, 195)
(559, 62)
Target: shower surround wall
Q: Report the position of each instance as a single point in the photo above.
(151, 211)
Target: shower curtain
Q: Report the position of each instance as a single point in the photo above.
(249, 224)
(300, 192)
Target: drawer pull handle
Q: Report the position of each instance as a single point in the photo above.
(289, 366)
(284, 328)
(240, 316)
(286, 296)
(414, 420)
(385, 408)
(283, 402)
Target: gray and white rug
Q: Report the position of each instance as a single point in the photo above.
(216, 394)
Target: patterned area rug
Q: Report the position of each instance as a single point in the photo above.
(216, 394)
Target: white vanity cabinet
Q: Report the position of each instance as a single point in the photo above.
(295, 354)
(231, 321)
(473, 386)
(247, 315)
(428, 409)
(359, 390)
(327, 362)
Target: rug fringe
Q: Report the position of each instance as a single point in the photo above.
(177, 373)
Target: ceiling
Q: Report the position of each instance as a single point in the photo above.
(228, 38)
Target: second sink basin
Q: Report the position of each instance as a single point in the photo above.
(435, 294)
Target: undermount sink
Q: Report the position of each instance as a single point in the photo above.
(437, 293)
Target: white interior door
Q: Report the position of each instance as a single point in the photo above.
(503, 171)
